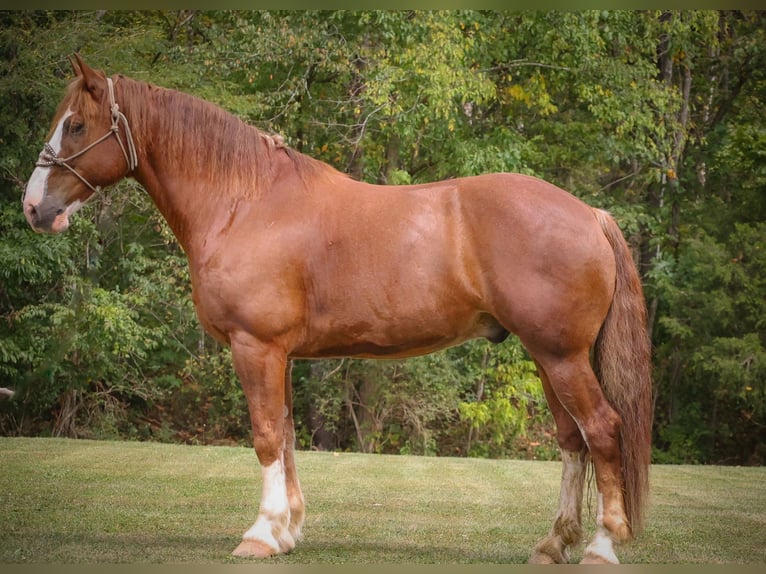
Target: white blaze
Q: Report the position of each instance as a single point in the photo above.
(38, 181)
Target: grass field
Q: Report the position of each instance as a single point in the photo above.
(68, 501)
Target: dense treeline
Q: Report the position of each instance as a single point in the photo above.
(657, 116)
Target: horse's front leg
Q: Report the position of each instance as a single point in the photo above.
(262, 370)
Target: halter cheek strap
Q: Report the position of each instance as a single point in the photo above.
(49, 157)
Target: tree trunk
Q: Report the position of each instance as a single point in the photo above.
(392, 159)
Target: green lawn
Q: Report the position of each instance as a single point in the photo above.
(105, 502)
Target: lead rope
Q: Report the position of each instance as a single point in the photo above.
(49, 157)
(131, 158)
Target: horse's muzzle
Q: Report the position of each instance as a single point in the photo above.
(48, 216)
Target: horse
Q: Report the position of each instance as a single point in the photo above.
(290, 258)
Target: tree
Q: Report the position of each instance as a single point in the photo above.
(83, 330)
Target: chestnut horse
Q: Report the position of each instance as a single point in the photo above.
(290, 258)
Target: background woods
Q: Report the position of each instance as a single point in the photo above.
(657, 116)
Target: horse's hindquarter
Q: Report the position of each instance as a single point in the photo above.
(549, 269)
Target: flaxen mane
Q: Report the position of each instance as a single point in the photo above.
(204, 140)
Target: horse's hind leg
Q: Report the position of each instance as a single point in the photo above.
(577, 389)
(567, 527)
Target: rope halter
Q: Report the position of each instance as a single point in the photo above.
(49, 157)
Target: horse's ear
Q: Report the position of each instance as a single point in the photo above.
(93, 80)
(74, 59)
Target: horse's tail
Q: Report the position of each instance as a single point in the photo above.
(622, 362)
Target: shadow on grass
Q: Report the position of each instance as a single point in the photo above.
(75, 548)
(365, 551)
(92, 548)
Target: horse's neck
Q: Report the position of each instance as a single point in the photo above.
(197, 183)
(188, 203)
(182, 203)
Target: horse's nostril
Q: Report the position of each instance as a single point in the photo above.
(59, 211)
(33, 217)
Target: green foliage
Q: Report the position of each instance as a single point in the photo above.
(654, 115)
(476, 399)
(383, 406)
(207, 404)
(712, 395)
(508, 398)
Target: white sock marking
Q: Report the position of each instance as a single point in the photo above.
(602, 545)
(274, 514)
(571, 484)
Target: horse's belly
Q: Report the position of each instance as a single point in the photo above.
(399, 339)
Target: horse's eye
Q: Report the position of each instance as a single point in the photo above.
(77, 128)
(74, 127)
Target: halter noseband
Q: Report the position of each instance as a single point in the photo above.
(49, 157)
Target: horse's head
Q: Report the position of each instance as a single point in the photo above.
(89, 147)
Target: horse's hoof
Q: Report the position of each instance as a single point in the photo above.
(251, 548)
(541, 558)
(549, 551)
(590, 558)
(618, 529)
